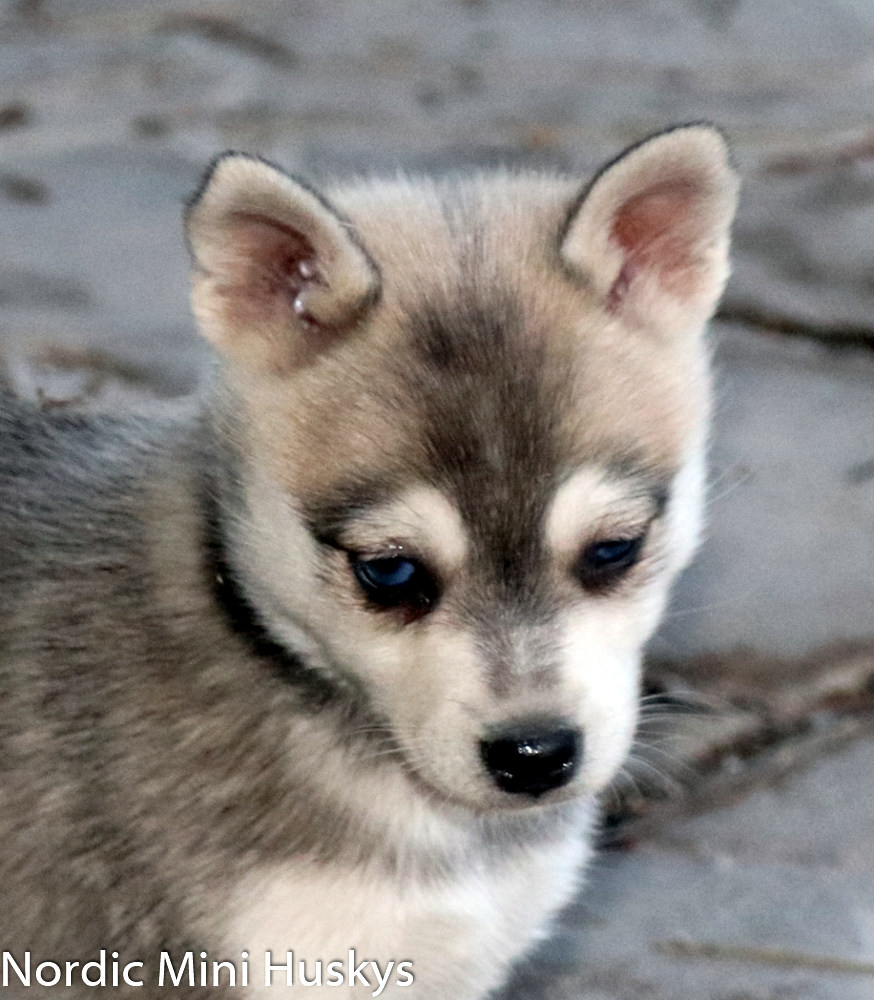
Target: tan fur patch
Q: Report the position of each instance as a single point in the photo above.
(346, 414)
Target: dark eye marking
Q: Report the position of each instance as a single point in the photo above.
(603, 563)
(396, 582)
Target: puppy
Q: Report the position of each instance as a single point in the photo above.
(321, 685)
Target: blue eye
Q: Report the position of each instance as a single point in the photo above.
(386, 572)
(603, 563)
(395, 581)
(610, 553)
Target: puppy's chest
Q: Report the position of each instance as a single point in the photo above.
(457, 933)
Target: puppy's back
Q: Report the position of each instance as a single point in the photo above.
(76, 626)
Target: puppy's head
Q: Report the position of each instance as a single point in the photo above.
(470, 416)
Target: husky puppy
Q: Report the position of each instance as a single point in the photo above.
(344, 661)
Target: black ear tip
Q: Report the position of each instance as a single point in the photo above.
(215, 165)
(699, 124)
(700, 127)
(207, 176)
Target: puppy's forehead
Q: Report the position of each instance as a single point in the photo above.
(490, 420)
(485, 404)
(485, 372)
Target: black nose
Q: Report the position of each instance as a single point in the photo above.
(532, 760)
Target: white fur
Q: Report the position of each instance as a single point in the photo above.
(424, 521)
(460, 934)
(591, 503)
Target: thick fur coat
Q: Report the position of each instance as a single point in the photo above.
(262, 668)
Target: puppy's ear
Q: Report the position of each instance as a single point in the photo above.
(278, 273)
(651, 232)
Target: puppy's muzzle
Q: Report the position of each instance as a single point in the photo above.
(532, 760)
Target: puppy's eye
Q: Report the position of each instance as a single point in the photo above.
(605, 562)
(395, 581)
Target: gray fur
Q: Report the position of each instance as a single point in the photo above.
(144, 734)
(199, 707)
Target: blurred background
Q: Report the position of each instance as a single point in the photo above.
(742, 862)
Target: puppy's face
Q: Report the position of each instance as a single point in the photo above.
(471, 421)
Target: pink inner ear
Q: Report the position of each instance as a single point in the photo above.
(268, 263)
(659, 233)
